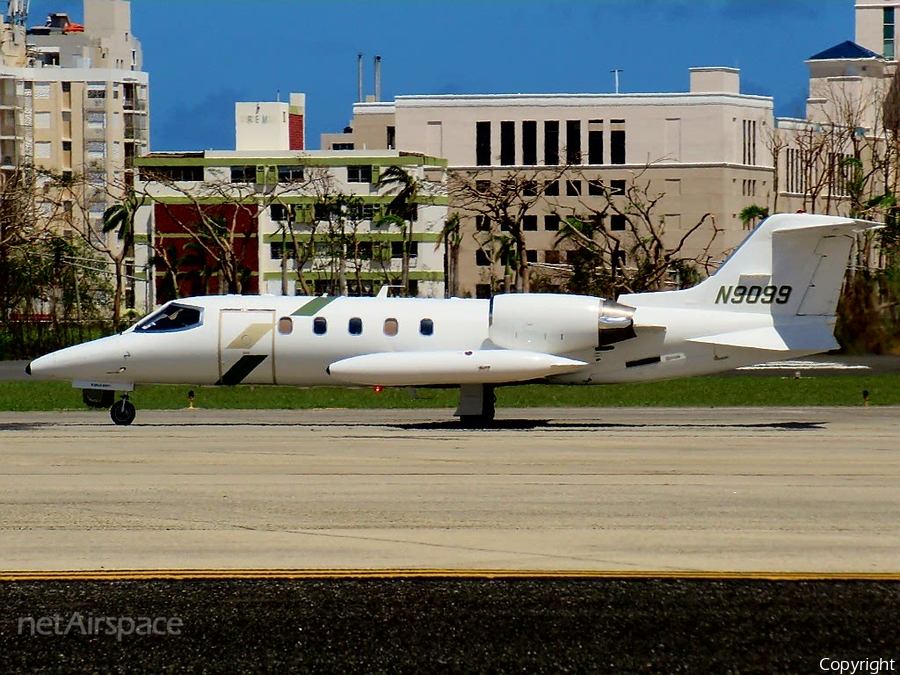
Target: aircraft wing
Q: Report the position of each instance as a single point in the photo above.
(808, 337)
(482, 366)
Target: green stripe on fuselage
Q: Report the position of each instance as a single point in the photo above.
(314, 306)
(245, 365)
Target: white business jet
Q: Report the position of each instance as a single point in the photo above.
(774, 298)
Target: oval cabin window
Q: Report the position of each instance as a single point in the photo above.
(391, 327)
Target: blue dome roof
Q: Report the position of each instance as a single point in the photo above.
(846, 50)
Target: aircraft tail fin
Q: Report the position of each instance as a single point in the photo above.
(792, 264)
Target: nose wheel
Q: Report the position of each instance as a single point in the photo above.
(122, 412)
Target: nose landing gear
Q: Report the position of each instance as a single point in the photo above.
(122, 412)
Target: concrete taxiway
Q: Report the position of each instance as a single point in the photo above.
(754, 489)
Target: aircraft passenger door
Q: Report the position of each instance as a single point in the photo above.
(246, 341)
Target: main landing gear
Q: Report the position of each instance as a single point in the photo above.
(476, 405)
(122, 412)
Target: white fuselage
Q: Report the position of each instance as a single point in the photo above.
(407, 342)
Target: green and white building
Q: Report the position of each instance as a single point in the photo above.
(296, 222)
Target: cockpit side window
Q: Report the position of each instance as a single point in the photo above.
(172, 317)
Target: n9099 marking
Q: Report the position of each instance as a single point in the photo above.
(752, 295)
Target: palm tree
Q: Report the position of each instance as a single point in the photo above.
(119, 218)
(401, 210)
(751, 213)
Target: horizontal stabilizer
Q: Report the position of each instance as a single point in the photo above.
(815, 337)
(483, 366)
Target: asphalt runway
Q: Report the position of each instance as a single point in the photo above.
(450, 625)
(672, 490)
(659, 541)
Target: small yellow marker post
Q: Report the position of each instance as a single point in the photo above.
(865, 397)
(191, 399)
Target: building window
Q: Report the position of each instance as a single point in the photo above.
(285, 325)
(573, 142)
(483, 143)
(243, 174)
(749, 155)
(278, 212)
(67, 146)
(507, 143)
(573, 188)
(320, 325)
(426, 327)
(391, 137)
(617, 187)
(96, 91)
(66, 87)
(174, 173)
(95, 149)
(749, 188)
(391, 327)
(397, 249)
(355, 326)
(551, 222)
(482, 223)
(96, 120)
(888, 32)
(595, 142)
(529, 188)
(617, 223)
(617, 142)
(278, 250)
(359, 174)
(551, 257)
(531, 256)
(551, 143)
(290, 174)
(551, 188)
(595, 188)
(482, 259)
(529, 143)
(342, 146)
(529, 223)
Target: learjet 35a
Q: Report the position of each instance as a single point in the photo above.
(774, 298)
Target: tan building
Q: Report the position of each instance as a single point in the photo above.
(74, 101)
(704, 151)
(876, 26)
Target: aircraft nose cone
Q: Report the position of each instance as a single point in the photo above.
(28, 369)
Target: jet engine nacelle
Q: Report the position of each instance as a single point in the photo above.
(557, 324)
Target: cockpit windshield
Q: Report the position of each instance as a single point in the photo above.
(172, 317)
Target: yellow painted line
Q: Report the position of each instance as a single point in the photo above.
(386, 574)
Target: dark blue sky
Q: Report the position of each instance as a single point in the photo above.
(203, 56)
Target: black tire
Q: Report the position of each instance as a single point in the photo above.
(122, 412)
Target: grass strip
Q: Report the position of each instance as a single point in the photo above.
(841, 390)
